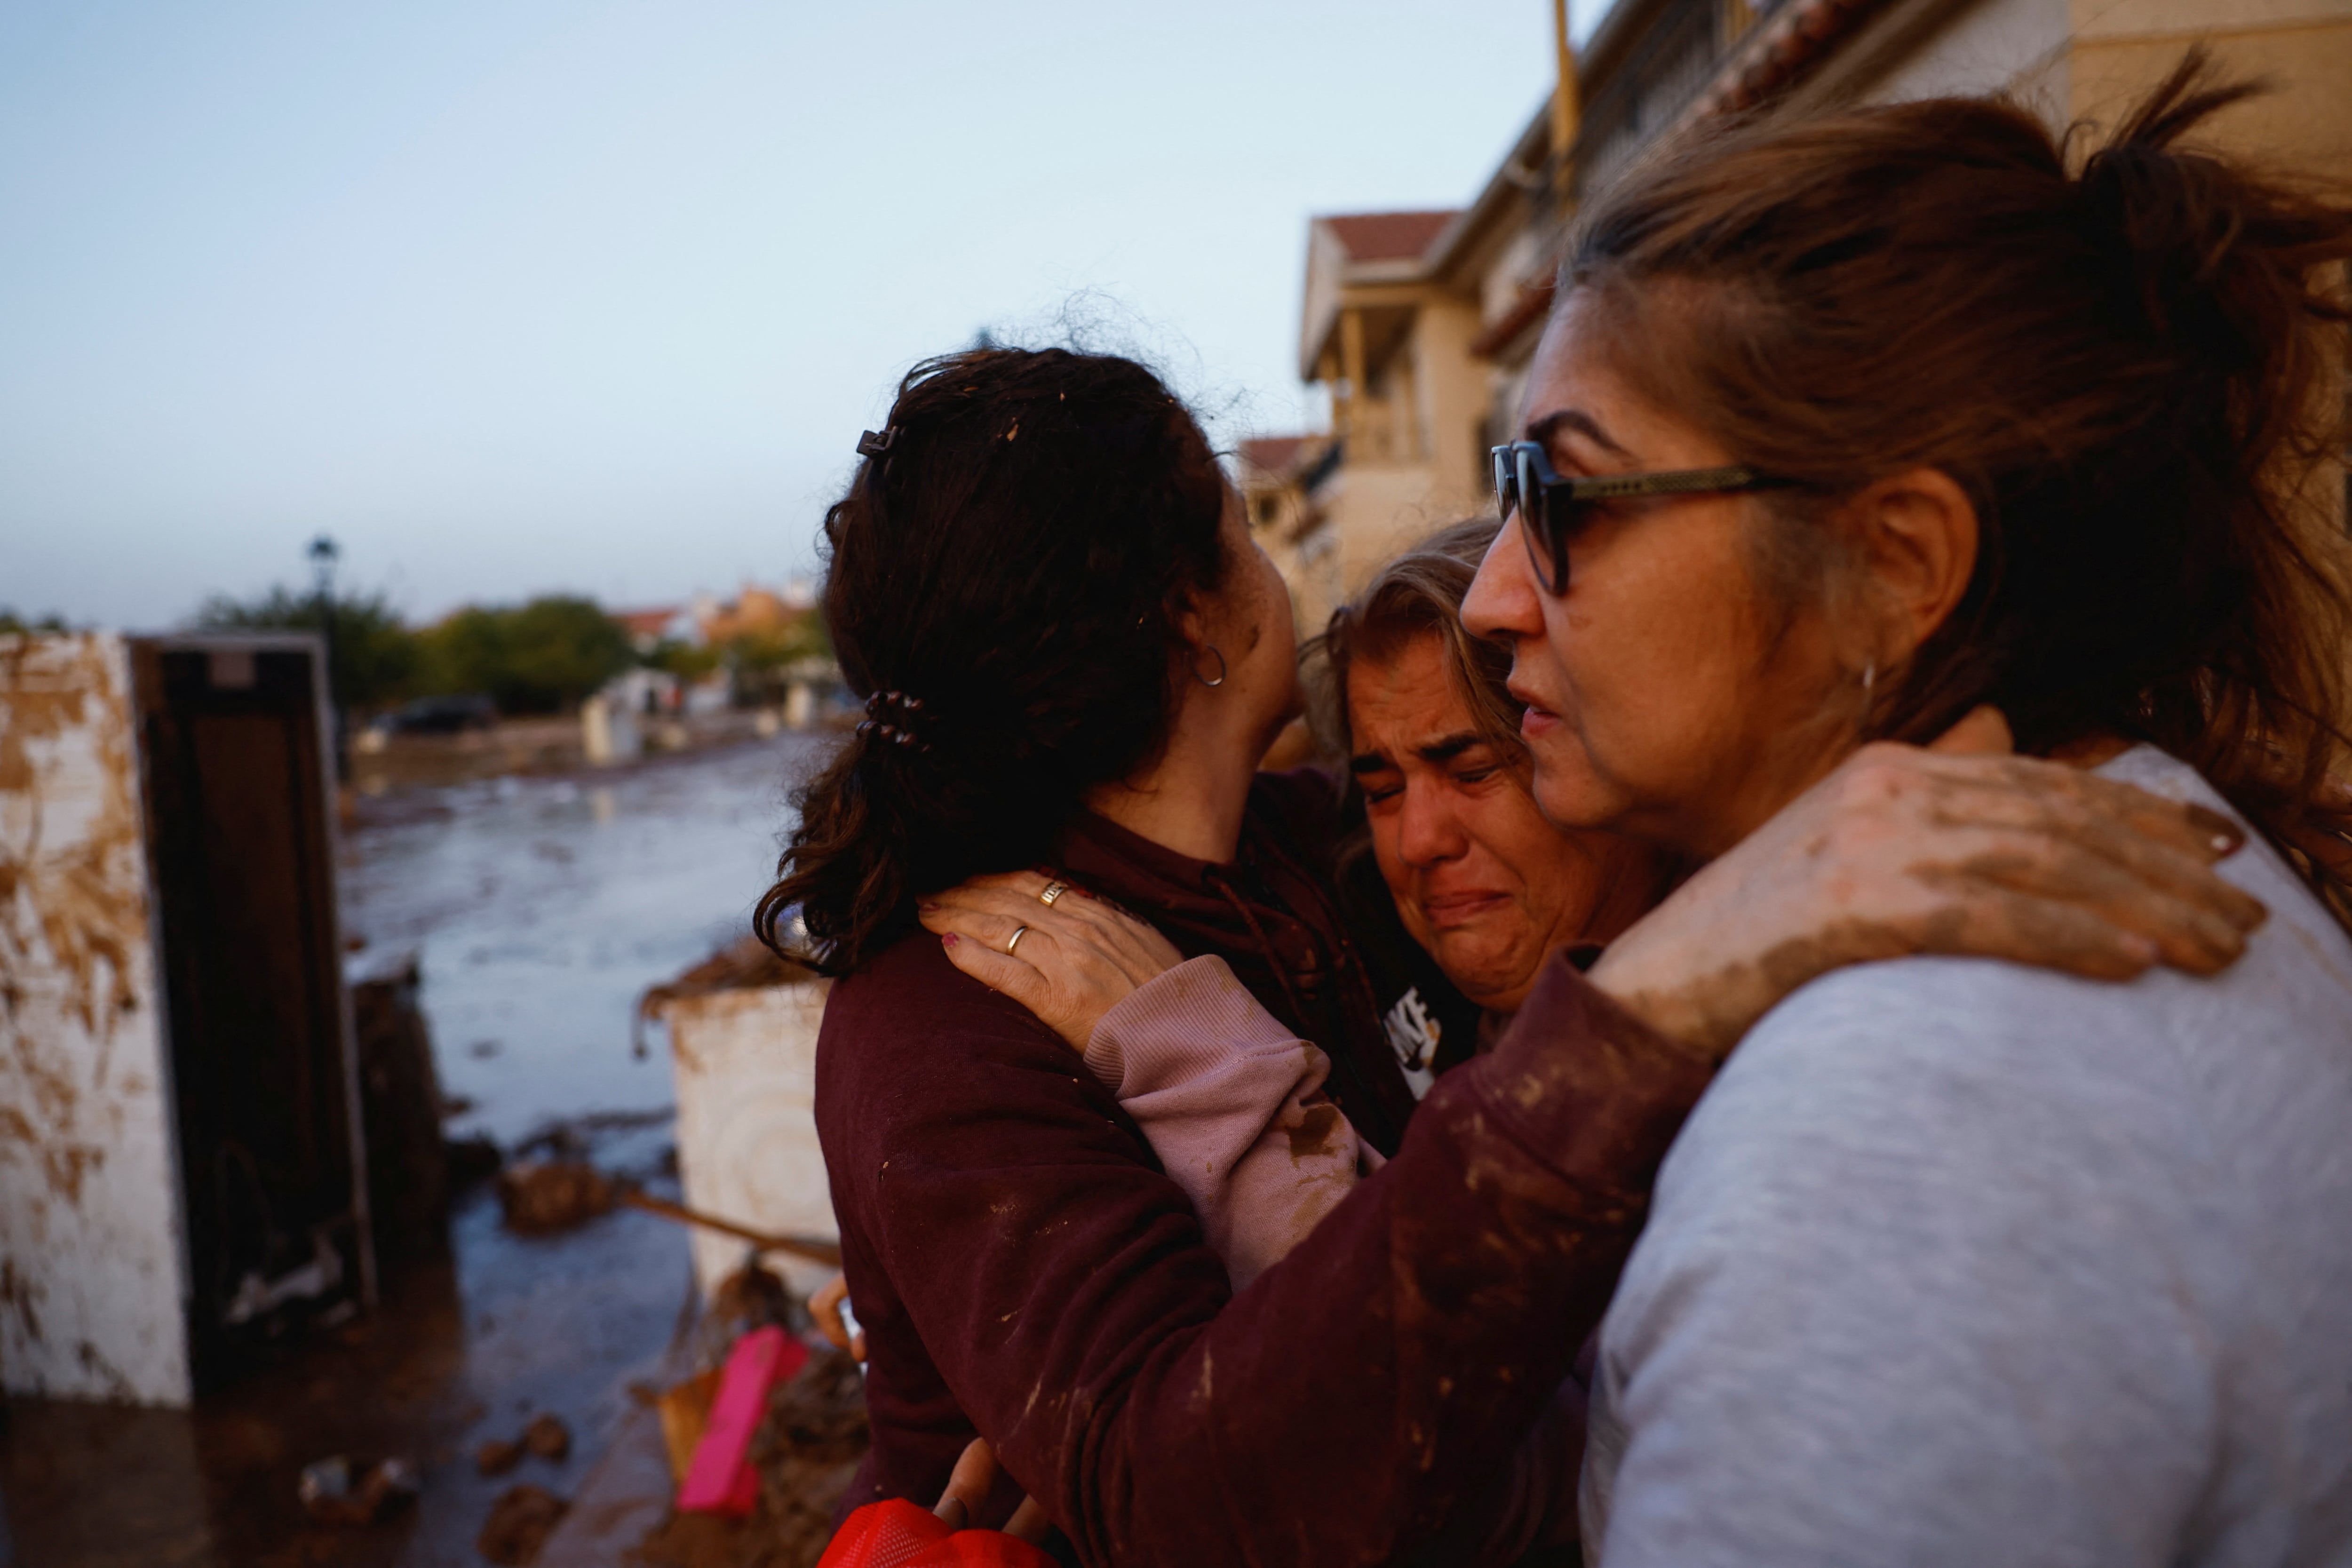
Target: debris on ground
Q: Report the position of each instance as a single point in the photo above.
(805, 1453)
(471, 1160)
(548, 1437)
(808, 1453)
(721, 1478)
(751, 1298)
(402, 1109)
(704, 1541)
(573, 1137)
(549, 1183)
(539, 1196)
(519, 1525)
(685, 1412)
(333, 1492)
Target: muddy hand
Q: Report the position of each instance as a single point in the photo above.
(1068, 962)
(1959, 848)
(968, 1488)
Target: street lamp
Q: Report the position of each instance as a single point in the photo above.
(323, 552)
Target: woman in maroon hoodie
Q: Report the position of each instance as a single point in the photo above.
(1074, 655)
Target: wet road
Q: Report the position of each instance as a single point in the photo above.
(542, 909)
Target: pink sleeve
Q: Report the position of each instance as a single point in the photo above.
(1235, 1107)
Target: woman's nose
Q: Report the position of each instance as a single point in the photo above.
(1427, 829)
(1502, 598)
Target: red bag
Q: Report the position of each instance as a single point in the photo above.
(895, 1533)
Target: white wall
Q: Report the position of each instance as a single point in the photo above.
(1995, 46)
(92, 1275)
(745, 1062)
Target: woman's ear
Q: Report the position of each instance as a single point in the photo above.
(1198, 628)
(1915, 538)
(1192, 621)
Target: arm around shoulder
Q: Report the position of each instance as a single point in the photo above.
(1360, 1392)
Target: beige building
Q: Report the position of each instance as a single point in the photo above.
(1420, 324)
(1275, 474)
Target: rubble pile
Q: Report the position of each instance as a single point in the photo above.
(540, 1197)
(334, 1492)
(807, 1450)
(547, 1438)
(519, 1525)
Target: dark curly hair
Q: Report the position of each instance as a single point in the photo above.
(1016, 560)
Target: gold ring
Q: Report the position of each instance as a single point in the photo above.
(1052, 890)
(1015, 940)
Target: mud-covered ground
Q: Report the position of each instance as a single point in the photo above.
(541, 908)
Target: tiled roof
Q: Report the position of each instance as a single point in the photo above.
(1387, 237)
(646, 623)
(1781, 49)
(1272, 454)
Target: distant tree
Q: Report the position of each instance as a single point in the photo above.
(10, 621)
(762, 661)
(537, 657)
(375, 656)
(688, 662)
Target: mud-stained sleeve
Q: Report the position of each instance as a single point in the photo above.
(1341, 1408)
(1234, 1105)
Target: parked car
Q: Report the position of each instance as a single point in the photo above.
(439, 716)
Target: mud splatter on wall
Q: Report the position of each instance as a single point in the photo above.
(90, 1274)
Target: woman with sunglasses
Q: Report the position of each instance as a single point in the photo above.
(1074, 655)
(1963, 1263)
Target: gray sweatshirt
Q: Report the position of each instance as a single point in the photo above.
(1964, 1263)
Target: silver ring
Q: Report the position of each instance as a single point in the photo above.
(1052, 890)
(1015, 940)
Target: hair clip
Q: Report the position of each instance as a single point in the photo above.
(871, 444)
(889, 715)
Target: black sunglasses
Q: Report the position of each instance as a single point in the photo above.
(1551, 508)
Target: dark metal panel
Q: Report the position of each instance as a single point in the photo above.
(242, 839)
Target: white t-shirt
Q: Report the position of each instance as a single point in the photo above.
(1962, 1263)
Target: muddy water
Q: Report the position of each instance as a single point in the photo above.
(541, 908)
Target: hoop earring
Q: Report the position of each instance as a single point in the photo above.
(1213, 653)
(1869, 677)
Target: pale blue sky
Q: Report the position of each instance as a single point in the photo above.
(512, 296)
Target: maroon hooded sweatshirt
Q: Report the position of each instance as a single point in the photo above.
(1024, 1269)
